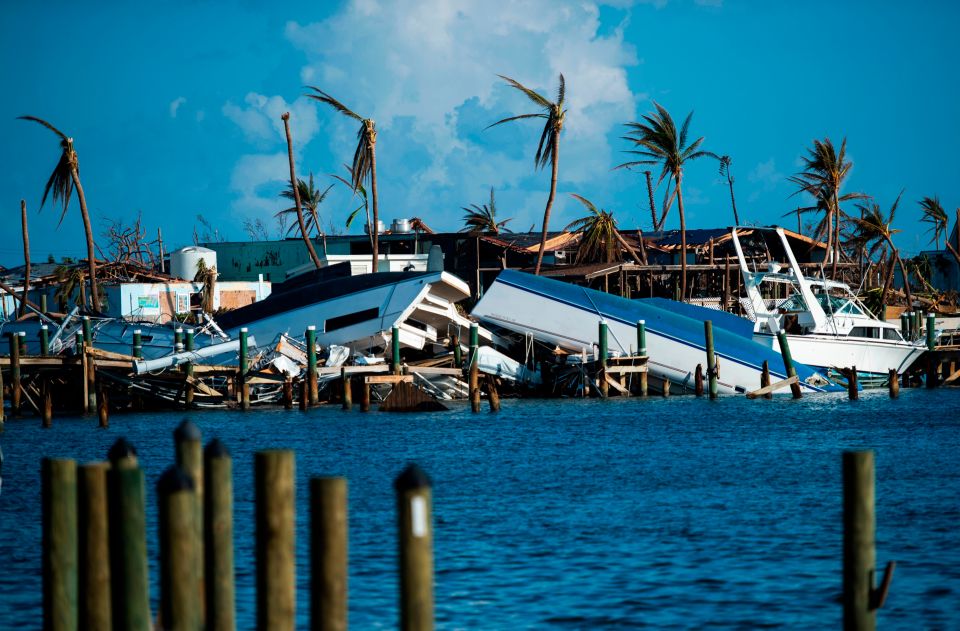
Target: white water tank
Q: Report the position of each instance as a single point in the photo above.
(401, 226)
(183, 262)
(380, 227)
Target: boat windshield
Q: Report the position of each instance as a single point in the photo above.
(830, 304)
(793, 303)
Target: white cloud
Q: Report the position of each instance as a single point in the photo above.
(765, 177)
(175, 105)
(261, 123)
(250, 176)
(427, 74)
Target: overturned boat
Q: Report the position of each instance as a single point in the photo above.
(565, 315)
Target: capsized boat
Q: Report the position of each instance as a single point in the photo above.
(827, 327)
(567, 316)
(359, 311)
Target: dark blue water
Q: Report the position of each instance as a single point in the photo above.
(577, 514)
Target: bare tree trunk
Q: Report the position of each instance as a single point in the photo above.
(829, 234)
(91, 255)
(887, 279)
(683, 242)
(653, 206)
(555, 159)
(836, 234)
(296, 192)
(627, 246)
(903, 270)
(733, 200)
(26, 257)
(375, 228)
(799, 226)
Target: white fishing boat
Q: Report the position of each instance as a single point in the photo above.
(827, 327)
(567, 316)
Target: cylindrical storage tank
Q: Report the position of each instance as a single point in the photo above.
(380, 227)
(401, 226)
(183, 262)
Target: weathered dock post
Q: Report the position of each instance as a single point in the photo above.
(43, 304)
(416, 549)
(218, 537)
(395, 349)
(364, 395)
(288, 394)
(137, 344)
(347, 389)
(94, 543)
(22, 338)
(698, 380)
(328, 554)
(90, 365)
(933, 365)
(917, 323)
(78, 346)
(46, 402)
(244, 366)
(474, 378)
(276, 562)
(602, 352)
(642, 351)
(179, 557)
(711, 358)
(87, 329)
(457, 352)
(304, 395)
(788, 363)
(103, 404)
(893, 383)
(905, 326)
(852, 390)
(765, 379)
(15, 390)
(60, 559)
(188, 344)
(187, 441)
(860, 598)
(493, 393)
(129, 577)
(178, 340)
(313, 389)
(44, 340)
(666, 388)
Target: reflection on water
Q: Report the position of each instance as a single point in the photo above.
(575, 514)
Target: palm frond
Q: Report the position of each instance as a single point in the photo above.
(533, 96)
(62, 135)
(323, 97)
(513, 118)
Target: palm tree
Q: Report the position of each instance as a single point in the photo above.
(725, 162)
(64, 179)
(600, 236)
(874, 231)
(310, 199)
(658, 142)
(934, 214)
(298, 204)
(69, 280)
(483, 219)
(360, 192)
(823, 175)
(653, 207)
(549, 147)
(364, 160)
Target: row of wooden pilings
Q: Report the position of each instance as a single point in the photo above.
(95, 571)
(96, 576)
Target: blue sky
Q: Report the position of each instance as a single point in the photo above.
(175, 110)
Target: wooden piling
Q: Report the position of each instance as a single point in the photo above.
(328, 554)
(218, 537)
(304, 395)
(15, 391)
(345, 381)
(711, 358)
(493, 393)
(179, 555)
(46, 401)
(395, 349)
(43, 303)
(788, 363)
(765, 379)
(364, 396)
(852, 391)
(416, 549)
(859, 552)
(87, 330)
(276, 562)
(287, 394)
(666, 388)
(59, 551)
(602, 350)
(129, 586)
(44, 340)
(313, 388)
(698, 381)
(94, 547)
(187, 441)
(457, 352)
(103, 405)
(893, 383)
(474, 378)
(188, 344)
(244, 366)
(137, 344)
(22, 339)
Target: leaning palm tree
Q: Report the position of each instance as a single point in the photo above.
(549, 147)
(823, 175)
(364, 160)
(360, 192)
(64, 179)
(600, 240)
(725, 162)
(658, 142)
(310, 200)
(873, 230)
(934, 214)
(70, 280)
(298, 204)
(483, 219)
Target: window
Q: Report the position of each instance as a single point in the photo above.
(892, 334)
(850, 309)
(865, 331)
(341, 322)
